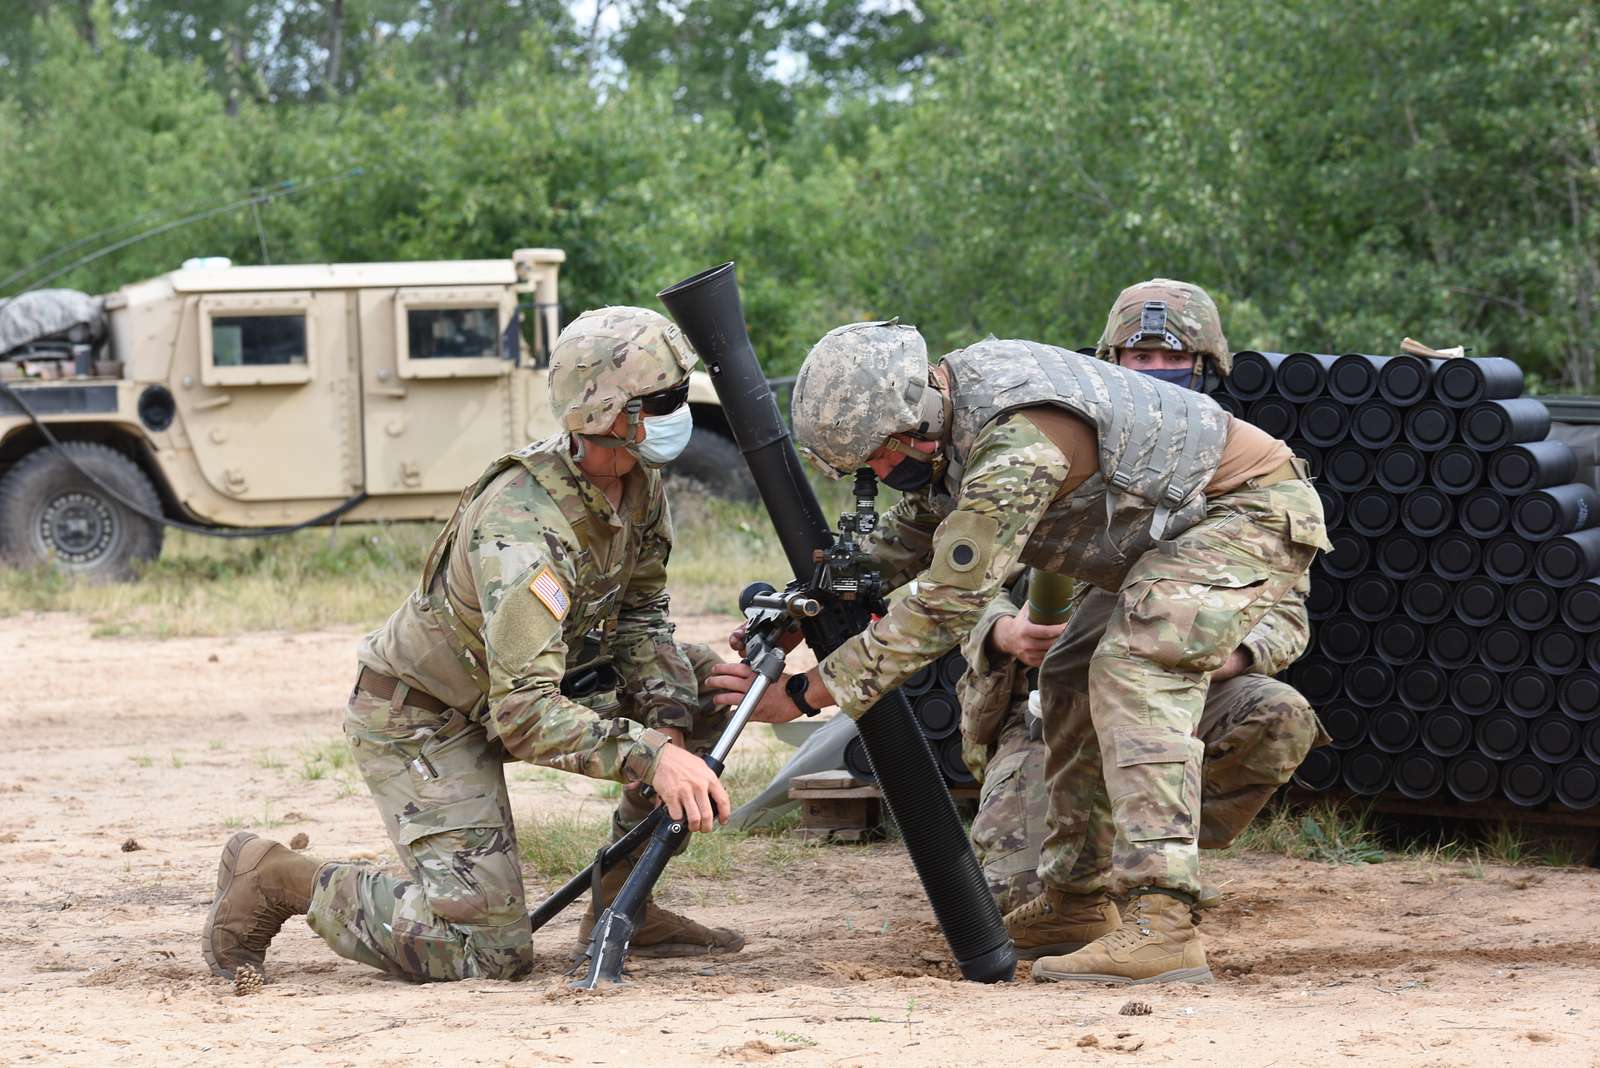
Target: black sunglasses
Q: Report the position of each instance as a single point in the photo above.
(665, 401)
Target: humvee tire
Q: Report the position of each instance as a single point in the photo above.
(50, 513)
(717, 464)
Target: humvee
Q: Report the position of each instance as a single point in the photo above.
(235, 397)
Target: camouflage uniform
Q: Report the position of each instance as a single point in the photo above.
(536, 575)
(1256, 730)
(1191, 575)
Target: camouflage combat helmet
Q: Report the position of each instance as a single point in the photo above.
(860, 384)
(606, 358)
(1163, 313)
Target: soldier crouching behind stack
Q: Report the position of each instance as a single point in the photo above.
(1194, 523)
(1256, 730)
(557, 547)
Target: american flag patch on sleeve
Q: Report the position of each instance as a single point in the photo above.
(547, 588)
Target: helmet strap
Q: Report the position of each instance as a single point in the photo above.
(611, 441)
(935, 411)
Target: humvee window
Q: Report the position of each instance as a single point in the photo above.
(452, 333)
(258, 340)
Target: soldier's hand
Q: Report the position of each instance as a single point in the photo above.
(1238, 663)
(1022, 639)
(733, 681)
(690, 790)
(788, 640)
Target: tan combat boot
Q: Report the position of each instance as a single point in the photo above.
(1157, 943)
(660, 933)
(260, 884)
(1059, 922)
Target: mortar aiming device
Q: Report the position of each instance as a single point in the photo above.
(769, 615)
(837, 574)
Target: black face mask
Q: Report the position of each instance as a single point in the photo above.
(908, 475)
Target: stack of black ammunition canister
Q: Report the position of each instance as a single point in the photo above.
(1456, 621)
(932, 693)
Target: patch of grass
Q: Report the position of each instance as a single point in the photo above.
(357, 573)
(1506, 843)
(793, 1038)
(143, 760)
(353, 573)
(1335, 832)
(215, 744)
(719, 547)
(608, 791)
(559, 846)
(267, 760)
(710, 856)
(177, 760)
(750, 770)
(330, 758)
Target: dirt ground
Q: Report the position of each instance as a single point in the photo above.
(176, 743)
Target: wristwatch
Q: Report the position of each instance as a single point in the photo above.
(796, 689)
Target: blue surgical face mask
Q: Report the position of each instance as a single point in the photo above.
(665, 437)
(1178, 376)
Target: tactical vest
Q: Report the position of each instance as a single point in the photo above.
(432, 607)
(1159, 446)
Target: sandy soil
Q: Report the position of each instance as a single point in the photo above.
(175, 743)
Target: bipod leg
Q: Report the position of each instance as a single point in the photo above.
(609, 858)
(613, 931)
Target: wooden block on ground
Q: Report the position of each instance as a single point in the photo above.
(837, 806)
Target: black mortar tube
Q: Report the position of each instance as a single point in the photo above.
(1319, 770)
(1324, 422)
(1427, 512)
(1376, 424)
(1404, 380)
(1303, 375)
(708, 309)
(1472, 777)
(1578, 784)
(1353, 377)
(1430, 426)
(1569, 559)
(1456, 468)
(1274, 415)
(1418, 774)
(1580, 606)
(1401, 469)
(1446, 732)
(1461, 383)
(1495, 424)
(1252, 376)
(1549, 513)
(1532, 465)
(1509, 558)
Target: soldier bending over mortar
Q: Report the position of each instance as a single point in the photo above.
(1193, 524)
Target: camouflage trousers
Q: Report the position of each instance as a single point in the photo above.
(1144, 656)
(441, 790)
(1256, 731)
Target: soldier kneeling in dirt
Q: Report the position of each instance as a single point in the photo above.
(557, 545)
